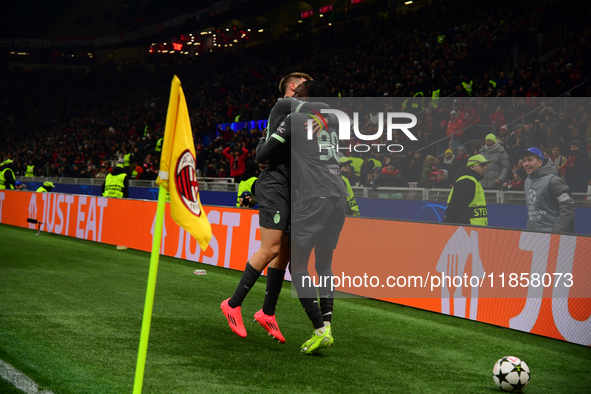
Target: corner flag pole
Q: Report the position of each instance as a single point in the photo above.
(154, 258)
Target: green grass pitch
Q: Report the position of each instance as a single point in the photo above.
(71, 312)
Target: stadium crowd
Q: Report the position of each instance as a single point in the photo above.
(79, 124)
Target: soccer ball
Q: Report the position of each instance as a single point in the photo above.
(511, 374)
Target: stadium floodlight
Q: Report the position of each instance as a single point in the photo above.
(408, 2)
(321, 15)
(247, 29)
(261, 30)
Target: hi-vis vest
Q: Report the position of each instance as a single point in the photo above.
(244, 186)
(356, 163)
(126, 160)
(419, 102)
(476, 210)
(435, 97)
(3, 179)
(159, 145)
(41, 190)
(114, 185)
(30, 171)
(376, 162)
(493, 83)
(468, 87)
(351, 201)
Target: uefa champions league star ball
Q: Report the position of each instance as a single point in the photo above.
(511, 374)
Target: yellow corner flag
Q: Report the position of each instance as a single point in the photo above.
(177, 176)
(177, 169)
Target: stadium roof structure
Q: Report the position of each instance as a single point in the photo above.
(118, 23)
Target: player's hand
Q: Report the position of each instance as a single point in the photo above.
(316, 128)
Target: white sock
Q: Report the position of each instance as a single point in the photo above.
(320, 331)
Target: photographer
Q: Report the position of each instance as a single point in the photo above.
(247, 186)
(246, 200)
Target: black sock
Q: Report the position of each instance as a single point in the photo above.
(274, 285)
(326, 294)
(308, 298)
(249, 278)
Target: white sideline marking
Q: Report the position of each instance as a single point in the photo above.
(19, 379)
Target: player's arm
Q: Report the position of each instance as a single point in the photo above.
(560, 192)
(278, 138)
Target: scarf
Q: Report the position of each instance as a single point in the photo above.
(570, 163)
(494, 148)
(445, 161)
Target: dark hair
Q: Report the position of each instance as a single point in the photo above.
(311, 89)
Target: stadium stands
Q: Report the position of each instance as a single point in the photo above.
(74, 123)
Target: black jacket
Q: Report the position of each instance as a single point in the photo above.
(463, 194)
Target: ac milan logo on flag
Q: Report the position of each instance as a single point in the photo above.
(186, 183)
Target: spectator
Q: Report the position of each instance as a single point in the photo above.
(497, 118)
(557, 157)
(497, 170)
(102, 174)
(503, 138)
(470, 118)
(441, 180)
(428, 167)
(430, 181)
(459, 162)
(534, 135)
(415, 168)
(388, 177)
(455, 129)
(518, 181)
(448, 160)
(87, 173)
(553, 138)
(577, 169)
(237, 160)
(533, 95)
